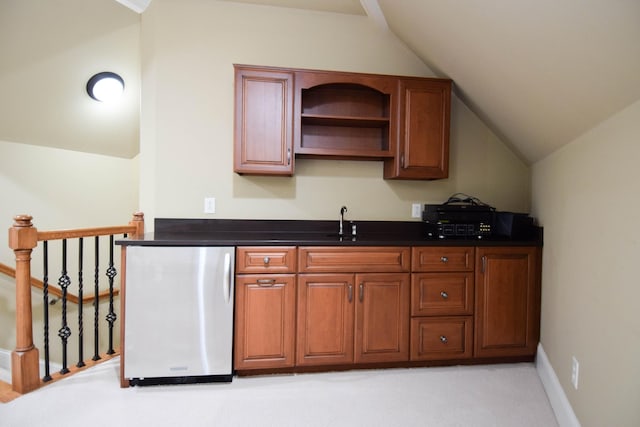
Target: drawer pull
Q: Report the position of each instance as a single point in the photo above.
(444, 259)
(444, 295)
(443, 339)
(266, 282)
(266, 260)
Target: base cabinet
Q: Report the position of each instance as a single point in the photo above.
(507, 313)
(265, 307)
(347, 318)
(442, 303)
(265, 321)
(308, 307)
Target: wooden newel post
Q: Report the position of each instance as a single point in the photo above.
(25, 369)
(138, 222)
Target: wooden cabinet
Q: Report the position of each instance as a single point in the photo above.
(382, 318)
(507, 306)
(346, 318)
(352, 318)
(424, 120)
(344, 115)
(281, 113)
(315, 306)
(442, 303)
(263, 121)
(325, 319)
(265, 308)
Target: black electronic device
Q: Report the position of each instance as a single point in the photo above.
(458, 221)
(461, 217)
(466, 217)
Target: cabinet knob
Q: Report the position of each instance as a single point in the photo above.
(443, 339)
(266, 260)
(444, 259)
(444, 295)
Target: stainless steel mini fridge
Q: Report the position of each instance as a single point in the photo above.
(178, 318)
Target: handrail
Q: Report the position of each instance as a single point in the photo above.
(23, 238)
(85, 232)
(55, 290)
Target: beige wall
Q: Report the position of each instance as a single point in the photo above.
(586, 197)
(188, 49)
(60, 189)
(64, 189)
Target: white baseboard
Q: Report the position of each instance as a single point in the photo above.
(559, 402)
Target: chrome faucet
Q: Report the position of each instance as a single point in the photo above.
(342, 211)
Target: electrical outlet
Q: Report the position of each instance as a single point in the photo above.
(575, 371)
(209, 205)
(416, 210)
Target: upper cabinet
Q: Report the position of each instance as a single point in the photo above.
(282, 113)
(424, 119)
(263, 121)
(344, 115)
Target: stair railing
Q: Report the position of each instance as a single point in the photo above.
(23, 238)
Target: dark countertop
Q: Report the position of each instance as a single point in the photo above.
(228, 232)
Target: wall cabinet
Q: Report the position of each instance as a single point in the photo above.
(282, 113)
(344, 115)
(263, 130)
(507, 306)
(265, 307)
(424, 120)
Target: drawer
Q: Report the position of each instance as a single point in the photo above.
(265, 259)
(440, 338)
(329, 259)
(434, 259)
(437, 294)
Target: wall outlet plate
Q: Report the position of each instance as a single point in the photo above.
(209, 205)
(575, 371)
(416, 210)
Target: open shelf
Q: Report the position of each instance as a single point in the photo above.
(325, 120)
(344, 120)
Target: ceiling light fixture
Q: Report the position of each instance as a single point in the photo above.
(105, 86)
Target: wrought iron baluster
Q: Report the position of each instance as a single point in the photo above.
(96, 300)
(45, 297)
(80, 314)
(111, 274)
(64, 332)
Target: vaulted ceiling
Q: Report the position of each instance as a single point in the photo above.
(539, 73)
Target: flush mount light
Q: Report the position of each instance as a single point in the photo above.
(105, 86)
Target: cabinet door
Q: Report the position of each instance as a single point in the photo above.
(507, 315)
(423, 146)
(325, 319)
(382, 318)
(264, 321)
(263, 121)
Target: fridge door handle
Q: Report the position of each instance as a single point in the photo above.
(227, 277)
